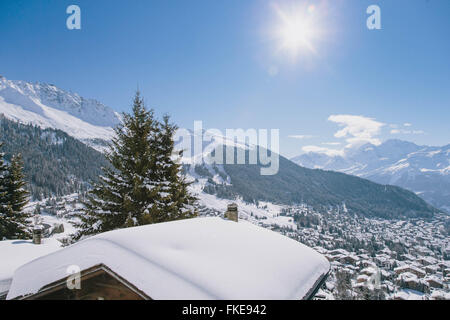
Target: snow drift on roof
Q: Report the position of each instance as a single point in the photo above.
(14, 253)
(202, 258)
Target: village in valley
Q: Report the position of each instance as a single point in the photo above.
(370, 258)
(375, 258)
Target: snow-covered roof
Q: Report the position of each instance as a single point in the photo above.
(440, 295)
(409, 267)
(14, 253)
(408, 294)
(201, 258)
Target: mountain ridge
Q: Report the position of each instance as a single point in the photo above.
(424, 170)
(48, 106)
(320, 189)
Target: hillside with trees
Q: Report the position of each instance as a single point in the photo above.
(320, 189)
(55, 164)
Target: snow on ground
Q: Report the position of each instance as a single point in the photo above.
(68, 205)
(52, 220)
(15, 253)
(52, 118)
(203, 258)
(266, 213)
(408, 294)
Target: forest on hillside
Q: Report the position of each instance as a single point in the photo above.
(55, 164)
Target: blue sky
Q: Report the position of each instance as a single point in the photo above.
(223, 62)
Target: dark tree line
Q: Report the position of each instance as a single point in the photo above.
(14, 223)
(55, 164)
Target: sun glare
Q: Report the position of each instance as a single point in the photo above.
(296, 30)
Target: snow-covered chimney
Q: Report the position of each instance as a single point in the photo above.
(232, 212)
(37, 234)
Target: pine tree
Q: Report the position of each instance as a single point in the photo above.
(175, 201)
(14, 222)
(143, 185)
(3, 174)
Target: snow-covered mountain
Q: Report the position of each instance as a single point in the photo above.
(50, 107)
(422, 169)
(292, 184)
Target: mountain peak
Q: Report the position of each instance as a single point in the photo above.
(422, 169)
(46, 105)
(398, 142)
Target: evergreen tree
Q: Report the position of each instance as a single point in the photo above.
(343, 286)
(14, 222)
(3, 174)
(175, 202)
(143, 185)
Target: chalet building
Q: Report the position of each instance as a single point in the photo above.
(408, 257)
(340, 252)
(426, 261)
(434, 282)
(364, 256)
(368, 263)
(446, 272)
(200, 258)
(432, 269)
(408, 295)
(443, 264)
(440, 295)
(369, 271)
(384, 260)
(412, 269)
(423, 251)
(349, 259)
(409, 280)
(362, 278)
(389, 253)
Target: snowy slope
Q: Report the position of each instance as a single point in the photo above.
(48, 106)
(422, 169)
(294, 184)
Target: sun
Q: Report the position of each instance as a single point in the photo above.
(296, 30)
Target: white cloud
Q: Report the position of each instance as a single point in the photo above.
(331, 143)
(327, 151)
(357, 129)
(301, 136)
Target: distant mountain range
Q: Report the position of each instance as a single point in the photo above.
(424, 170)
(53, 120)
(298, 185)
